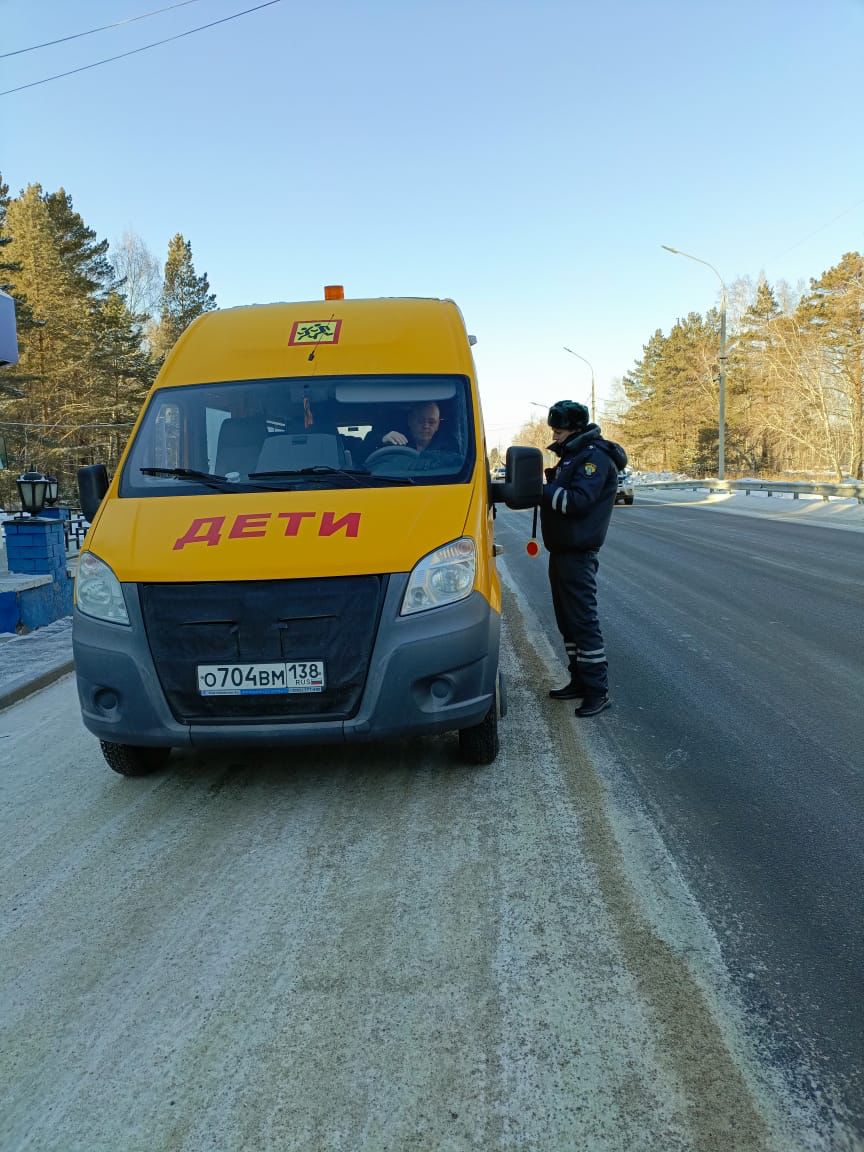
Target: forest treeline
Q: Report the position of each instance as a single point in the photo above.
(94, 326)
(794, 385)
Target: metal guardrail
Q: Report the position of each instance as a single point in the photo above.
(849, 489)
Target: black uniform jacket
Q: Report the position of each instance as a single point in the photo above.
(577, 500)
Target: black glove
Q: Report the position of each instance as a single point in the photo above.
(550, 474)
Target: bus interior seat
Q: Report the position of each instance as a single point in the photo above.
(239, 444)
(288, 451)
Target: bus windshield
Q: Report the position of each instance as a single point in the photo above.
(327, 432)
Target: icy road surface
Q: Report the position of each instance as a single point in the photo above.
(364, 948)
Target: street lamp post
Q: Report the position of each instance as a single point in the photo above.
(721, 437)
(584, 361)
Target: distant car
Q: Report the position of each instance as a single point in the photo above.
(499, 474)
(624, 495)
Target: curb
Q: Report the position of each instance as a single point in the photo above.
(24, 688)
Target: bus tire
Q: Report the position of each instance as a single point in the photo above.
(130, 760)
(479, 743)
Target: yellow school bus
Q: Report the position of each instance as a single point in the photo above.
(297, 545)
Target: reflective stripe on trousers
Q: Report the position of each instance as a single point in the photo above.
(573, 580)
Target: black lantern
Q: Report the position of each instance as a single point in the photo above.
(32, 488)
(52, 491)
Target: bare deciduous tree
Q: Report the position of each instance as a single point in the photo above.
(805, 412)
(141, 274)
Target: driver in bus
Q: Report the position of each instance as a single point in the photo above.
(423, 431)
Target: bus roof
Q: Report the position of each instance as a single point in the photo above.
(399, 335)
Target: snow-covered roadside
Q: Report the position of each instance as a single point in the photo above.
(361, 948)
(835, 512)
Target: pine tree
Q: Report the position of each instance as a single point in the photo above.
(10, 267)
(122, 375)
(52, 373)
(754, 386)
(762, 311)
(691, 385)
(82, 361)
(185, 296)
(6, 265)
(643, 422)
(671, 422)
(83, 256)
(57, 340)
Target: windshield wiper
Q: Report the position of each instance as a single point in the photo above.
(214, 480)
(324, 471)
(312, 470)
(210, 479)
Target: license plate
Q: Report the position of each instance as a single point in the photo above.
(260, 679)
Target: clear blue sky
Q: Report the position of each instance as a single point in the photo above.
(525, 159)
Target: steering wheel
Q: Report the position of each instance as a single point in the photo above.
(395, 450)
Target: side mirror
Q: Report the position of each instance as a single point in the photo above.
(92, 486)
(523, 486)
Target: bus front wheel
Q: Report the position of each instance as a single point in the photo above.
(130, 760)
(479, 743)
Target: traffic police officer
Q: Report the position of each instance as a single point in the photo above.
(574, 516)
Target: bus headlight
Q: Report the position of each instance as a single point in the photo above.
(98, 592)
(443, 577)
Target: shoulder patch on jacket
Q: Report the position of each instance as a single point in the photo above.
(590, 469)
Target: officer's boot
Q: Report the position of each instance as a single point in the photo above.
(571, 691)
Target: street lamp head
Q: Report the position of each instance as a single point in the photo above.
(32, 488)
(578, 356)
(698, 260)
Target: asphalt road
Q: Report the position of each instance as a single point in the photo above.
(735, 649)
